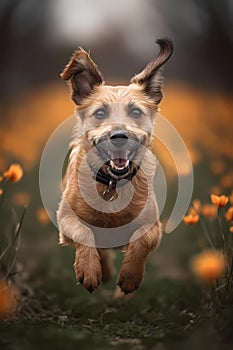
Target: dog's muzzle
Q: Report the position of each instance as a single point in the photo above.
(119, 162)
(119, 157)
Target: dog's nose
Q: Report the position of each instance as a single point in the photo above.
(119, 138)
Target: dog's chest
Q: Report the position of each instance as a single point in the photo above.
(129, 206)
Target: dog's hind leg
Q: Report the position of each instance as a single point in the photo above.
(133, 265)
(107, 266)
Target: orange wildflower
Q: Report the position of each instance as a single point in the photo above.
(14, 173)
(42, 216)
(191, 218)
(231, 229)
(1, 191)
(21, 198)
(197, 205)
(209, 210)
(229, 214)
(220, 201)
(8, 298)
(208, 266)
(215, 190)
(192, 211)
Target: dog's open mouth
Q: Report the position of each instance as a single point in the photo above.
(119, 156)
(119, 163)
(119, 166)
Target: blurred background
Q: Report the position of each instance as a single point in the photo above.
(37, 39)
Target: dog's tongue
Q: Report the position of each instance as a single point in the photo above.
(120, 162)
(119, 158)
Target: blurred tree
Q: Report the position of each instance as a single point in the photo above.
(26, 58)
(203, 39)
(201, 29)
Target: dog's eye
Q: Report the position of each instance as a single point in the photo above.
(135, 112)
(100, 113)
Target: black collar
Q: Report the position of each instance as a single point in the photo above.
(108, 180)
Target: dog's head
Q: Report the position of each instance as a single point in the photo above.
(116, 120)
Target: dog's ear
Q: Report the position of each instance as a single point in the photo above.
(151, 78)
(82, 74)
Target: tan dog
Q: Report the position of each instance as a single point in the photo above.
(108, 198)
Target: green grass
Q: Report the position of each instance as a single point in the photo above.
(59, 314)
(165, 313)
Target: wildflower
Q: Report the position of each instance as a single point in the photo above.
(231, 229)
(216, 190)
(208, 266)
(197, 205)
(8, 297)
(1, 191)
(42, 216)
(14, 173)
(209, 210)
(220, 201)
(192, 211)
(191, 218)
(21, 198)
(229, 214)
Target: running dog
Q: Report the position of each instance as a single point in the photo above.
(108, 192)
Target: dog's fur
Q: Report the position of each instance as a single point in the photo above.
(101, 110)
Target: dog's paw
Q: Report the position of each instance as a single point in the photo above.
(130, 278)
(89, 276)
(118, 294)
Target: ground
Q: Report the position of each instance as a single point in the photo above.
(171, 310)
(162, 314)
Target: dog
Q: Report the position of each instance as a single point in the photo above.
(108, 195)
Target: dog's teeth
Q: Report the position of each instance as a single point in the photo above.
(114, 166)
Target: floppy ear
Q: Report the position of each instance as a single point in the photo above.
(151, 78)
(82, 74)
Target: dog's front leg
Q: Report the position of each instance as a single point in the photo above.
(87, 264)
(87, 267)
(133, 264)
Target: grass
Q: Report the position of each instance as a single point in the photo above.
(167, 312)
(62, 311)
(60, 314)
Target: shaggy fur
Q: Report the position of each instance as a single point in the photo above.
(102, 110)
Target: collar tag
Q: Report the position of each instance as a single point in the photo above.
(110, 194)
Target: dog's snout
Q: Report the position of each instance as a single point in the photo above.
(119, 138)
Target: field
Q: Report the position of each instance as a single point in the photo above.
(175, 307)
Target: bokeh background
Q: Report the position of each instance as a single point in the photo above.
(37, 39)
